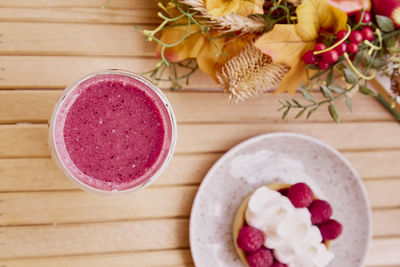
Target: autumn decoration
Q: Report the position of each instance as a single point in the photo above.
(252, 46)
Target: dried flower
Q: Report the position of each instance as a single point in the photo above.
(249, 74)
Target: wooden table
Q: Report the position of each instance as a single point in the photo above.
(45, 220)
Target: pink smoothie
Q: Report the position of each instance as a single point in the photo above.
(116, 132)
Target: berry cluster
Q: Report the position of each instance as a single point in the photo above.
(342, 44)
(251, 239)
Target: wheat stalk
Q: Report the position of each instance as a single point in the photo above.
(250, 73)
(231, 22)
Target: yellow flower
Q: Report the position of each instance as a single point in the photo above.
(211, 50)
(287, 43)
(217, 8)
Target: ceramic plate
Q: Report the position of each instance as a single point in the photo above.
(271, 158)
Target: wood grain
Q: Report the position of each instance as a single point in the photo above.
(75, 239)
(189, 106)
(377, 190)
(58, 71)
(26, 140)
(50, 207)
(72, 40)
(174, 258)
(41, 174)
(384, 252)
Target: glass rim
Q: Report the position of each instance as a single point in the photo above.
(66, 93)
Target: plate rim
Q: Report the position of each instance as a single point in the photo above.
(274, 135)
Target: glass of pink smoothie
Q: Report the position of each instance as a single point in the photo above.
(112, 131)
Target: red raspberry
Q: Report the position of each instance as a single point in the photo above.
(319, 47)
(341, 48)
(250, 239)
(330, 56)
(261, 258)
(320, 211)
(323, 65)
(278, 264)
(300, 195)
(330, 229)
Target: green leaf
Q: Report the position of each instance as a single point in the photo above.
(307, 95)
(385, 23)
(296, 102)
(326, 92)
(329, 78)
(300, 113)
(379, 63)
(285, 113)
(312, 111)
(336, 89)
(358, 57)
(313, 67)
(350, 76)
(279, 109)
(348, 103)
(389, 43)
(366, 91)
(334, 112)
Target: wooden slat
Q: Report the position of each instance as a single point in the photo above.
(78, 206)
(45, 207)
(379, 190)
(33, 241)
(42, 174)
(31, 140)
(57, 71)
(73, 39)
(184, 169)
(176, 258)
(82, 14)
(189, 106)
(79, 239)
(386, 222)
(384, 252)
(136, 4)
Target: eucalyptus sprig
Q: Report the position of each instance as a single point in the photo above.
(356, 69)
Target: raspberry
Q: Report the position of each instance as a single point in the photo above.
(368, 34)
(330, 229)
(320, 211)
(278, 264)
(341, 48)
(261, 258)
(330, 56)
(352, 48)
(300, 195)
(356, 37)
(319, 47)
(250, 239)
(341, 34)
(323, 65)
(309, 58)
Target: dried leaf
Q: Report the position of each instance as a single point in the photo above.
(217, 8)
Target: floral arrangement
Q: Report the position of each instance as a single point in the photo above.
(251, 46)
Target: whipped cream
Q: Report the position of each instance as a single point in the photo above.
(288, 230)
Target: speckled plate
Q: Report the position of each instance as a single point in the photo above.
(271, 158)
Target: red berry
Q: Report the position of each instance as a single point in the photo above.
(368, 34)
(352, 48)
(278, 264)
(250, 239)
(367, 17)
(320, 211)
(341, 34)
(323, 65)
(356, 37)
(341, 48)
(309, 57)
(330, 229)
(261, 258)
(300, 194)
(331, 56)
(319, 47)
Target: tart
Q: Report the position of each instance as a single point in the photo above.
(313, 218)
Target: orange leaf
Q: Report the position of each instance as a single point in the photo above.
(285, 45)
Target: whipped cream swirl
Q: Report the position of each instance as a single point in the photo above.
(288, 230)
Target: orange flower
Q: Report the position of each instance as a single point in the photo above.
(287, 43)
(351, 6)
(211, 50)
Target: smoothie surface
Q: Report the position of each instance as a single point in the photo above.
(113, 131)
